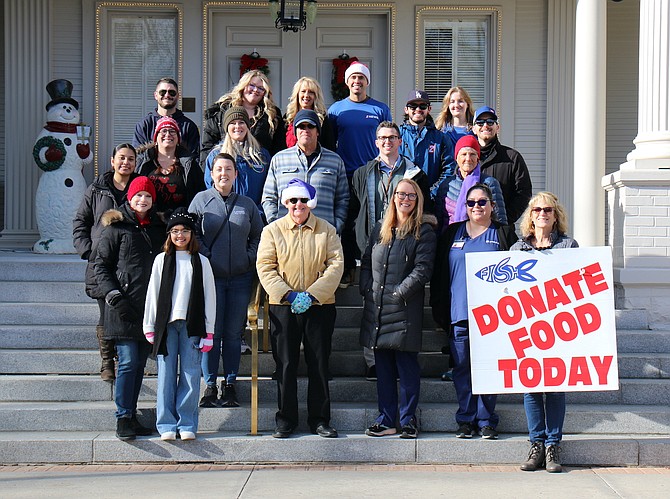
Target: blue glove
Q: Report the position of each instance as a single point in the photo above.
(301, 303)
(291, 297)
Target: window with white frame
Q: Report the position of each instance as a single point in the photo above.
(136, 48)
(459, 49)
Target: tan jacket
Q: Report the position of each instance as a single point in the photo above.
(300, 258)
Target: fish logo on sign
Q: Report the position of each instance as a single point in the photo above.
(503, 272)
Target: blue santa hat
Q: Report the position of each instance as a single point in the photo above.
(296, 188)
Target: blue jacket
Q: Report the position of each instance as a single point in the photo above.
(429, 149)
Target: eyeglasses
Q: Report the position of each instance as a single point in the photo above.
(546, 209)
(480, 202)
(295, 200)
(413, 107)
(409, 195)
(168, 131)
(177, 232)
(390, 138)
(306, 126)
(488, 122)
(171, 93)
(254, 88)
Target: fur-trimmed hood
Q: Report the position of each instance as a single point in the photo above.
(111, 216)
(429, 218)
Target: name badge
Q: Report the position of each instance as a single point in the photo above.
(458, 244)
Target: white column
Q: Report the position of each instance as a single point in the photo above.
(590, 113)
(638, 195)
(652, 144)
(26, 75)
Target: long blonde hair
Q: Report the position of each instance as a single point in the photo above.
(544, 199)
(445, 117)
(236, 98)
(411, 226)
(294, 101)
(250, 149)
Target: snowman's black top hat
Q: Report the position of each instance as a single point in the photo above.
(60, 91)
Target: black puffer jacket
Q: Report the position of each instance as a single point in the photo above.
(86, 226)
(123, 262)
(213, 132)
(393, 279)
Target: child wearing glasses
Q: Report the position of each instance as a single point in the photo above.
(179, 315)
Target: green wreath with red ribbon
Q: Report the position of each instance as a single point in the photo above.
(252, 62)
(338, 87)
(55, 153)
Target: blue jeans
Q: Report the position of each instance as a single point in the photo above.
(132, 359)
(478, 410)
(545, 413)
(232, 299)
(177, 401)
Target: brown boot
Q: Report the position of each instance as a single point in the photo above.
(107, 353)
(535, 457)
(553, 461)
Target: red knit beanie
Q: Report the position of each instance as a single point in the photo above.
(139, 184)
(167, 122)
(467, 141)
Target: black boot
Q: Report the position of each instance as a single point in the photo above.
(228, 396)
(209, 397)
(124, 429)
(107, 354)
(535, 457)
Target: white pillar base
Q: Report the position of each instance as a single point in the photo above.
(638, 203)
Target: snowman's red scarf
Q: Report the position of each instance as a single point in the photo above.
(55, 126)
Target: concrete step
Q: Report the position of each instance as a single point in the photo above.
(433, 364)
(70, 388)
(345, 416)
(231, 447)
(354, 447)
(43, 292)
(35, 267)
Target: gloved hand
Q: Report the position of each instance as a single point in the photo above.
(150, 337)
(291, 297)
(121, 304)
(301, 303)
(207, 343)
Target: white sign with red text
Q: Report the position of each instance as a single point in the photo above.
(542, 321)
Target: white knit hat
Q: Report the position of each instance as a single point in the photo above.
(357, 67)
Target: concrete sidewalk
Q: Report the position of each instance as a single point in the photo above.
(332, 481)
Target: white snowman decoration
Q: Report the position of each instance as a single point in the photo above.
(61, 151)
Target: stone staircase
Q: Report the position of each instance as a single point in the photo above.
(54, 408)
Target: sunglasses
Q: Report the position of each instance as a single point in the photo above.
(295, 200)
(409, 195)
(480, 202)
(488, 122)
(305, 126)
(413, 107)
(171, 93)
(546, 209)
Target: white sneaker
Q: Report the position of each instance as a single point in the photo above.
(187, 435)
(169, 435)
(244, 347)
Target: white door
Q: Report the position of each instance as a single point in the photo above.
(292, 55)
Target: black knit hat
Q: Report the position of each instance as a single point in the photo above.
(181, 216)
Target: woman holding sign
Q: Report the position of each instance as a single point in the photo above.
(449, 301)
(544, 226)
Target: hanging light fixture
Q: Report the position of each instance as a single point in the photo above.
(292, 15)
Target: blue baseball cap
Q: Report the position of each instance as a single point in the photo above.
(485, 110)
